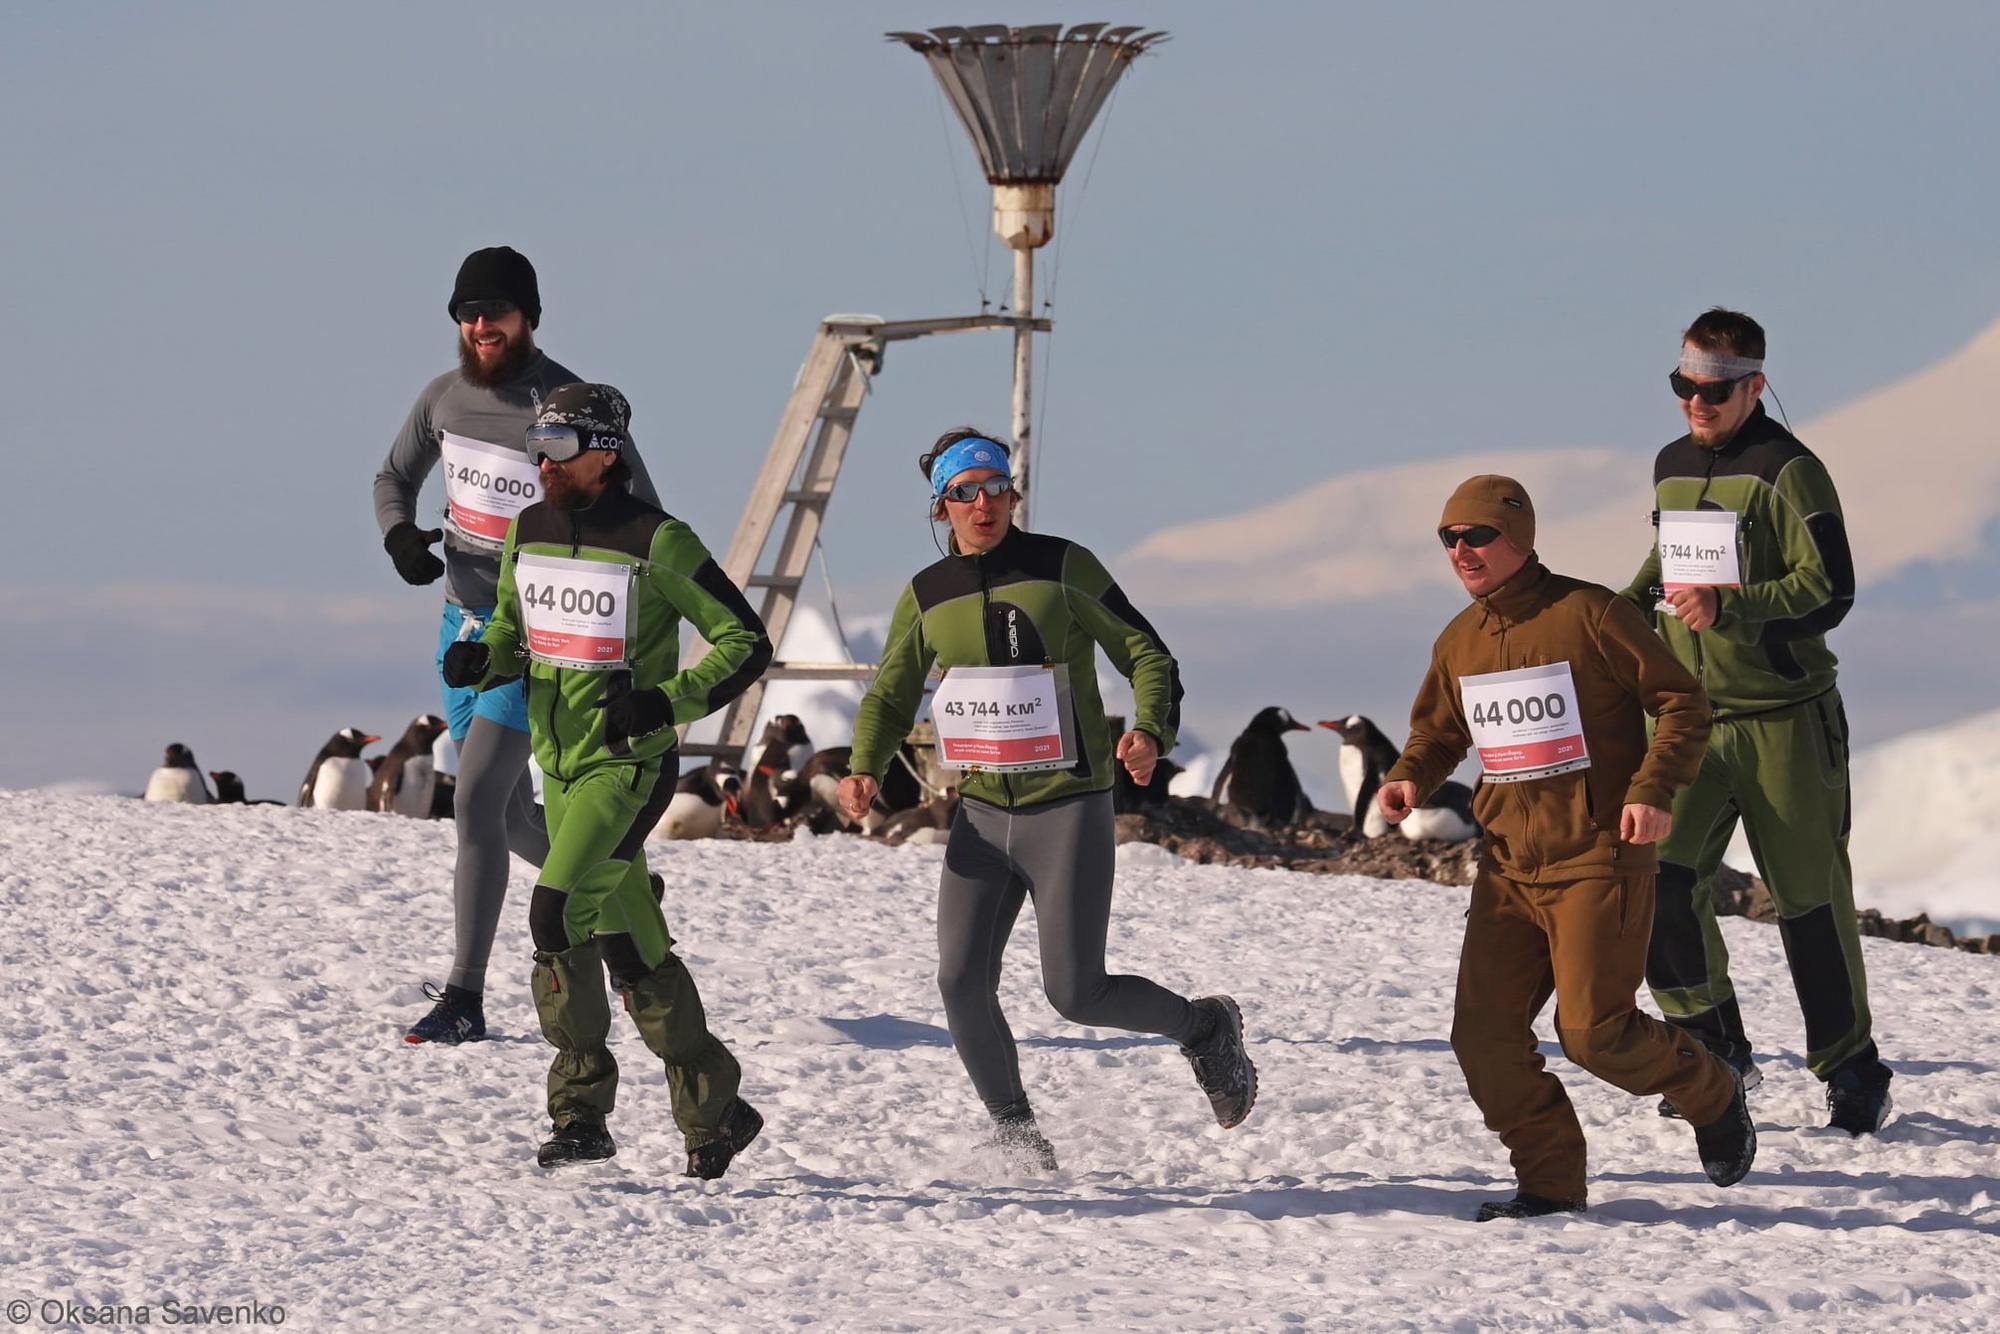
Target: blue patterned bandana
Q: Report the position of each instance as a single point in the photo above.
(975, 451)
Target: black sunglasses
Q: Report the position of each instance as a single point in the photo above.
(1715, 393)
(1473, 535)
(470, 312)
(967, 492)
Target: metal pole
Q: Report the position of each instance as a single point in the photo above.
(1024, 308)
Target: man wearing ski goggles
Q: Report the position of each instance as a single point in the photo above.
(560, 444)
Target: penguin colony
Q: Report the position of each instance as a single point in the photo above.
(791, 784)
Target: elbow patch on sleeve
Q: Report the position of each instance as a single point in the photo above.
(710, 579)
(1829, 534)
(1115, 602)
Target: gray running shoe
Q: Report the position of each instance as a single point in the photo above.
(457, 1016)
(1221, 1064)
(1021, 1142)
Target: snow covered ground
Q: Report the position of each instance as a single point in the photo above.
(208, 1100)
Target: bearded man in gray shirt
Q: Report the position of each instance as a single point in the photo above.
(473, 420)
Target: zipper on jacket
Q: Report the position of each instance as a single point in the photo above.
(985, 624)
(1520, 796)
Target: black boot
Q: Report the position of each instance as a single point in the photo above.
(739, 1127)
(1221, 1064)
(1525, 1205)
(576, 1142)
(1728, 1144)
(1857, 1094)
(1721, 1031)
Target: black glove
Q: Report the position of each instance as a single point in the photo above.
(465, 663)
(635, 712)
(410, 547)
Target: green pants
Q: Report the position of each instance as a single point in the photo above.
(594, 907)
(1784, 775)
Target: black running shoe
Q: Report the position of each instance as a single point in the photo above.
(1525, 1205)
(1857, 1097)
(576, 1142)
(1221, 1064)
(458, 1016)
(1740, 1062)
(739, 1126)
(1021, 1142)
(1728, 1144)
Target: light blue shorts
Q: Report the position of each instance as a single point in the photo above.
(506, 705)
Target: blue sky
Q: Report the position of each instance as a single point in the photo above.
(1317, 238)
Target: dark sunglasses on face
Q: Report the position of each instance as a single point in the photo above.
(1473, 535)
(556, 444)
(1715, 394)
(470, 312)
(967, 492)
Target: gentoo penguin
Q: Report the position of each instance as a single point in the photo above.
(444, 767)
(1128, 798)
(787, 728)
(1258, 781)
(178, 779)
(338, 779)
(407, 776)
(768, 794)
(700, 798)
(229, 790)
(1365, 755)
(819, 783)
(926, 822)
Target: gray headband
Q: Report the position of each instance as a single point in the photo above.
(1699, 361)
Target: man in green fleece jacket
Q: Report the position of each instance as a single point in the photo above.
(1749, 570)
(1016, 619)
(594, 584)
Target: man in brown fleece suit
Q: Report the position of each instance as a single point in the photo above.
(1552, 679)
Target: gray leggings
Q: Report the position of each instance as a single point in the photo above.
(495, 811)
(1061, 854)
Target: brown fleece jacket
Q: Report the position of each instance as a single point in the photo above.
(1564, 827)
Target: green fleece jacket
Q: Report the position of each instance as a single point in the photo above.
(1032, 599)
(674, 579)
(1767, 649)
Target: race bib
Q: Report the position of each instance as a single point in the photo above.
(485, 486)
(575, 613)
(1004, 719)
(1698, 550)
(1525, 723)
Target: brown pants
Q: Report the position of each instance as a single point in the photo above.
(1585, 941)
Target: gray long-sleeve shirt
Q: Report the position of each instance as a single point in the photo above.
(499, 416)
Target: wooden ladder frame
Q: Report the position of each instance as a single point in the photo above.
(798, 475)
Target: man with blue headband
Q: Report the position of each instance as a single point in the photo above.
(1015, 619)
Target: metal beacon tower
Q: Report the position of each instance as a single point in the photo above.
(1027, 96)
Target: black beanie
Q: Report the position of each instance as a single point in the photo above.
(498, 273)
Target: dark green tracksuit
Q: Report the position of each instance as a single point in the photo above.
(1777, 757)
(593, 903)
